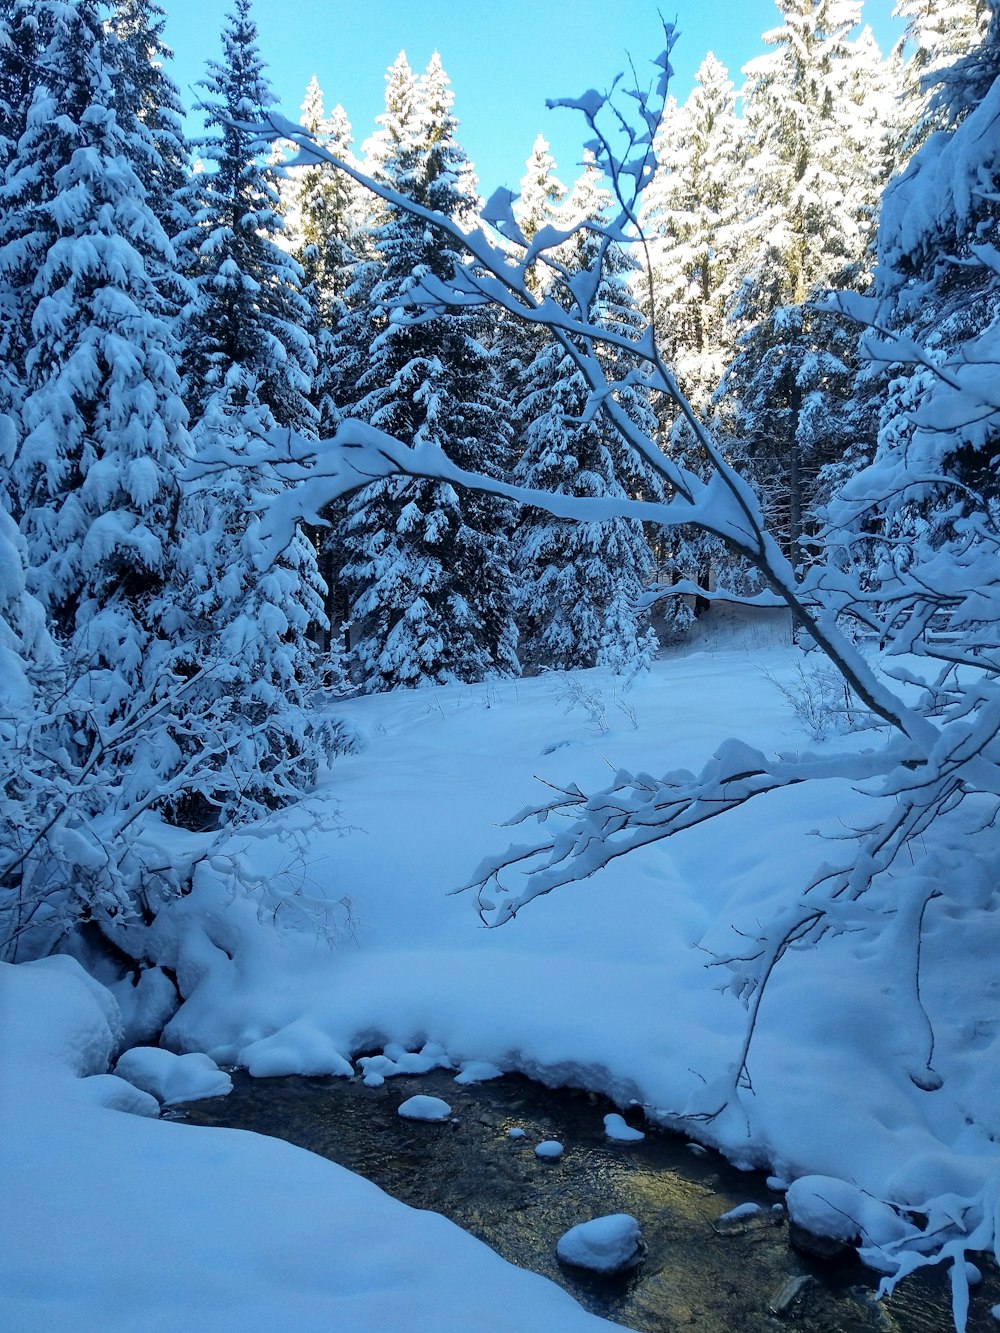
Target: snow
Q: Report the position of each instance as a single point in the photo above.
(616, 1128)
(597, 985)
(423, 1107)
(742, 1210)
(124, 1221)
(549, 1150)
(835, 1208)
(173, 1078)
(605, 1244)
(478, 1071)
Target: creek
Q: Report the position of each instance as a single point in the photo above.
(696, 1274)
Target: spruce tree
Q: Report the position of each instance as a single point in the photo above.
(324, 216)
(579, 584)
(938, 33)
(248, 311)
(249, 371)
(102, 424)
(96, 444)
(692, 215)
(919, 520)
(814, 193)
(425, 569)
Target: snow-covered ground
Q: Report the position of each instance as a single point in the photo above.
(340, 934)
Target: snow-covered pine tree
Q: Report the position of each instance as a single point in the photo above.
(920, 521)
(146, 91)
(248, 309)
(249, 370)
(538, 202)
(426, 570)
(325, 214)
(579, 584)
(938, 33)
(325, 218)
(98, 441)
(103, 427)
(694, 215)
(27, 28)
(813, 193)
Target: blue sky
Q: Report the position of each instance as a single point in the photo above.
(503, 60)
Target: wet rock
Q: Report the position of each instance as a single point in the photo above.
(820, 1247)
(786, 1296)
(744, 1218)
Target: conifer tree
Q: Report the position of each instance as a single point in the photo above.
(579, 584)
(96, 443)
(927, 500)
(248, 311)
(147, 93)
(538, 204)
(102, 423)
(938, 33)
(426, 570)
(814, 194)
(692, 214)
(250, 368)
(325, 219)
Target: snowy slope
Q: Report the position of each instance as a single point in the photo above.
(121, 1222)
(339, 934)
(599, 983)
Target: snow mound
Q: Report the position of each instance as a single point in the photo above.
(423, 1107)
(824, 1206)
(549, 1150)
(478, 1071)
(173, 1078)
(116, 1094)
(615, 1127)
(301, 1047)
(396, 1060)
(604, 1245)
(517, 1133)
(147, 1003)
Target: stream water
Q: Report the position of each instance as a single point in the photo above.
(696, 1273)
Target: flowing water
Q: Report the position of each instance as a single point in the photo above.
(691, 1278)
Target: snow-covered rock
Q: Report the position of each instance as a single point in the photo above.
(616, 1127)
(605, 1244)
(549, 1150)
(301, 1047)
(478, 1071)
(146, 1003)
(823, 1206)
(173, 1078)
(423, 1107)
(396, 1060)
(517, 1133)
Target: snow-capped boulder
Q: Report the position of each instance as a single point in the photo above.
(423, 1107)
(173, 1078)
(604, 1245)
